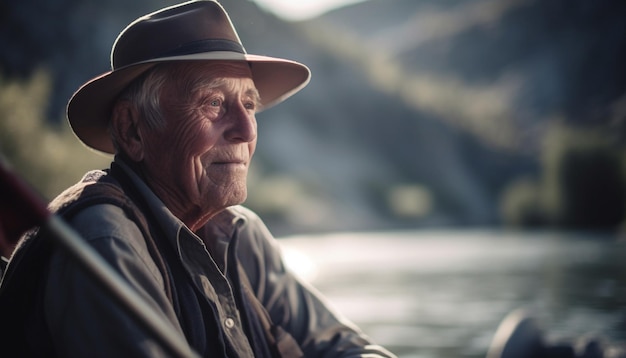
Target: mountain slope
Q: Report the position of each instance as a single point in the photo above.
(418, 113)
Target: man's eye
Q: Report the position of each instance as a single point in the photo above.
(215, 103)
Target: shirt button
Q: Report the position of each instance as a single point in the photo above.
(229, 323)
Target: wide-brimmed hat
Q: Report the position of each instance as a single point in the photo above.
(191, 31)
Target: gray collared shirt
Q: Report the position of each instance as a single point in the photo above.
(81, 318)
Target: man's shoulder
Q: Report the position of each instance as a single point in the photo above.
(96, 187)
(103, 220)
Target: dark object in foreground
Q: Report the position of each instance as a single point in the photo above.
(520, 336)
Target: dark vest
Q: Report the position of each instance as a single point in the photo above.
(23, 330)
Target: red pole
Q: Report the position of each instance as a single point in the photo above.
(20, 208)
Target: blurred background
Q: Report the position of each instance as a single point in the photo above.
(450, 160)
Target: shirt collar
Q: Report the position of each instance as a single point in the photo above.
(221, 227)
(169, 223)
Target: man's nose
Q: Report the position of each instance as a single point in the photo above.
(243, 126)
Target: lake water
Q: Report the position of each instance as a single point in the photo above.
(444, 293)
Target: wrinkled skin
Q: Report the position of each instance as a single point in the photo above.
(198, 163)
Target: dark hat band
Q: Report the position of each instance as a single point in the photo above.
(208, 45)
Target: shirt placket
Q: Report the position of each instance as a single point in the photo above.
(210, 280)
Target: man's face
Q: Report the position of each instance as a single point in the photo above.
(199, 161)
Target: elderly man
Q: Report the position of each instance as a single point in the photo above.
(178, 111)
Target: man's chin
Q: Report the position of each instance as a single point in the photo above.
(237, 197)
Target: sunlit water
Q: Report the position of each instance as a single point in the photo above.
(444, 293)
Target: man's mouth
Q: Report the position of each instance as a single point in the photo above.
(230, 163)
(225, 162)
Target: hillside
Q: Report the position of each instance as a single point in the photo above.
(420, 113)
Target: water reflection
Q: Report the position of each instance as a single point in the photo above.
(443, 293)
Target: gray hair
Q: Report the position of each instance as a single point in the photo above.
(144, 94)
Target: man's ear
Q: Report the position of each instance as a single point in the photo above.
(125, 124)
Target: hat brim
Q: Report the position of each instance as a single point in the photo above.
(89, 109)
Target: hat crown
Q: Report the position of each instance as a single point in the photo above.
(187, 28)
